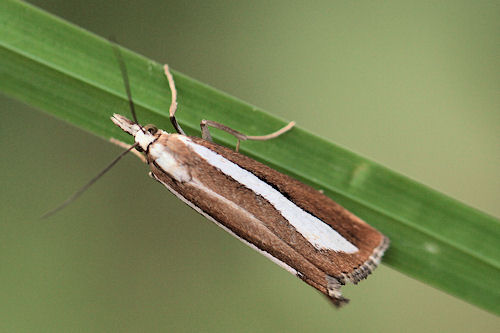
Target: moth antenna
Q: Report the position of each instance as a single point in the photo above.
(126, 83)
(78, 193)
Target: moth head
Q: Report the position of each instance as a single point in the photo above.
(143, 136)
(146, 137)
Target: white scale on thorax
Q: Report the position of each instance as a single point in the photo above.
(319, 234)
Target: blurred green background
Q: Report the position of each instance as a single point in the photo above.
(414, 86)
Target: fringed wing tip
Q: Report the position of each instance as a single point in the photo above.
(334, 293)
(369, 266)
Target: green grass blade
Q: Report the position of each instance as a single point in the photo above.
(73, 74)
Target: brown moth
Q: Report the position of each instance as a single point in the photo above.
(294, 225)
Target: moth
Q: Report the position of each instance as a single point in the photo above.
(294, 225)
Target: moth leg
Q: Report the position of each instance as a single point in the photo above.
(127, 146)
(205, 133)
(173, 103)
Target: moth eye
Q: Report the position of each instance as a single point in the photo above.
(139, 149)
(151, 129)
